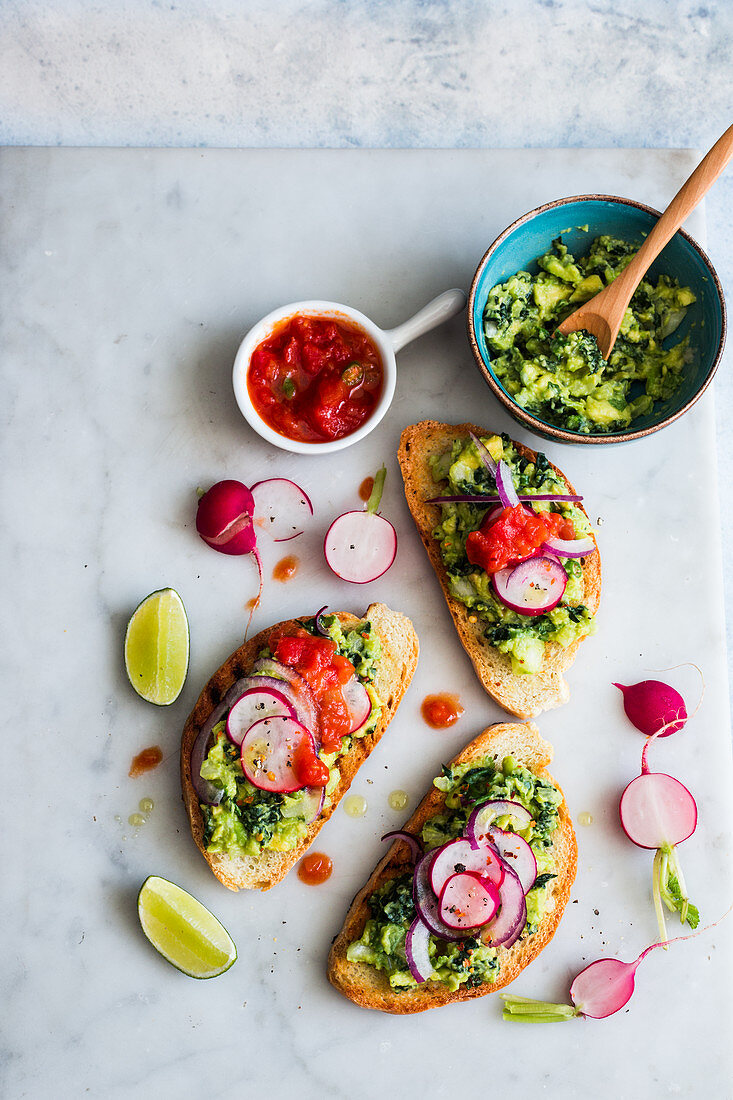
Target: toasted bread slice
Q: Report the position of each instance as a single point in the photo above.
(393, 674)
(526, 695)
(364, 984)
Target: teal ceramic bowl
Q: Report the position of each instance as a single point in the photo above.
(517, 249)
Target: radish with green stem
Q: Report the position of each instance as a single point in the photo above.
(602, 988)
(360, 546)
(658, 812)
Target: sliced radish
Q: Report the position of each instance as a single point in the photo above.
(458, 856)
(657, 810)
(468, 901)
(477, 826)
(255, 704)
(426, 902)
(303, 699)
(269, 751)
(361, 546)
(508, 924)
(358, 703)
(517, 854)
(281, 508)
(570, 548)
(417, 943)
(310, 805)
(532, 587)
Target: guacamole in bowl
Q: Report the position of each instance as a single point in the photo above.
(542, 268)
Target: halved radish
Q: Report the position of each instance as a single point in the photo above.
(532, 587)
(358, 703)
(256, 703)
(508, 924)
(457, 856)
(477, 826)
(224, 518)
(269, 753)
(517, 854)
(656, 809)
(281, 508)
(361, 546)
(468, 901)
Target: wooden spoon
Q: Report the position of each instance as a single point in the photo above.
(602, 315)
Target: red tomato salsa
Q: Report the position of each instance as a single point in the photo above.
(315, 379)
(513, 536)
(325, 672)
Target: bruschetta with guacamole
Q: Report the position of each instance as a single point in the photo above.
(279, 732)
(473, 887)
(513, 549)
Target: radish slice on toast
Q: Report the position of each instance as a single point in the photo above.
(426, 902)
(532, 587)
(468, 901)
(477, 826)
(508, 924)
(269, 753)
(281, 508)
(358, 702)
(517, 854)
(417, 943)
(458, 856)
(256, 703)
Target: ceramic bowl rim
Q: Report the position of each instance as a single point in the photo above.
(562, 434)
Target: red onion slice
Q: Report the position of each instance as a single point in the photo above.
(482, 498)
(508, 924)
(426, 902)
(517, 854)
(505, 486)
(268, 753)
(256, 703)
(570, 548)
(468, 901)
(206, 791)
(458, 856)
(484, 454)
(532, 587)
(319, 624)
(417, 943)
(477, 826)
(412, 842)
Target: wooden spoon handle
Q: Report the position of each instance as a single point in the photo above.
(680, 208)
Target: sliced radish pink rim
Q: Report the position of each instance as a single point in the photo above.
(358, 703)
(268, 751)
(254, 704)
(417, 951)
(281, 508)
(360, 546)
(426, 902)
(533, 587)
(302, 696)
(656, 809)
(468, 901)
(517, 855)
(459, 856)
(310, 804)
(508, 924)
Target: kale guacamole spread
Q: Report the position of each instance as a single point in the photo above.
(523, 638)
(467, 961)
(564, 380)
(248, 819)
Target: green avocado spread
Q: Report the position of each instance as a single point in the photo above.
(392, 910)
(564, 380)
(523, 638)
(248, 819)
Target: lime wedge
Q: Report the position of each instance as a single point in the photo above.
(156, 647)
(183, 930)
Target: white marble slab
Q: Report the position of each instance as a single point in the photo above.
(127, 279)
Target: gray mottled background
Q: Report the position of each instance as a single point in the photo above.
(376, 73)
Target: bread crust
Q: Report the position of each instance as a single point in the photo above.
(368, 987)
(393, 674)
(526, 696)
